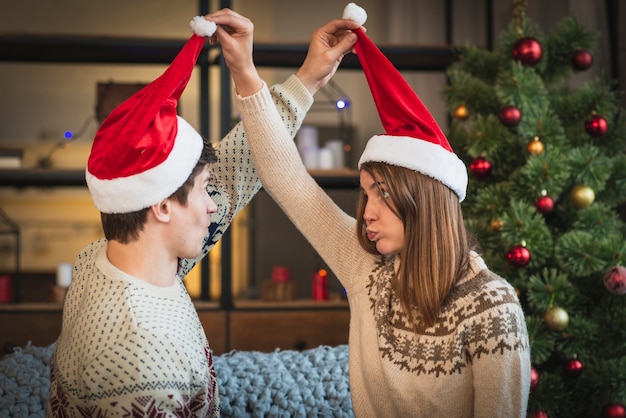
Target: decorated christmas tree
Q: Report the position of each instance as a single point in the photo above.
(547, 175)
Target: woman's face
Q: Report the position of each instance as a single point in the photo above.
(383, 226)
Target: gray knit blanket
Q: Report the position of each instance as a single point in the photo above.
(310, 383)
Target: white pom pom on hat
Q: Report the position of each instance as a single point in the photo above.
(202, 27)
(355, 13)
(412, 138)
(143, 151)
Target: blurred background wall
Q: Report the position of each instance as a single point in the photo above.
(41, 101)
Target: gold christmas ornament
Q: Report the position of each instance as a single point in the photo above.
(556, 318)
(497, 225)
(582, 196)
(461, 112)
(535, 147)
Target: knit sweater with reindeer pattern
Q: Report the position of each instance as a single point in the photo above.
(474, 362)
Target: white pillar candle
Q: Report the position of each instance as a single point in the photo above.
(64, 274)
(326, 159)
(336, 145)
(307, 137)
(310, 157)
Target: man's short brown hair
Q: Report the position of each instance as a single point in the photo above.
(125, 227)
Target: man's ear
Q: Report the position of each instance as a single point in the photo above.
(162, 210)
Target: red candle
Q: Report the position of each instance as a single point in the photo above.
(320, 288)
(5, 289)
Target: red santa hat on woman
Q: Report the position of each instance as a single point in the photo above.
(413, 139)
(143, 151)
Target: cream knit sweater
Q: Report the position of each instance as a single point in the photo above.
(474, 362)
(128, 348)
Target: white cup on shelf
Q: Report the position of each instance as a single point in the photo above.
(64, 274)
(325, 159)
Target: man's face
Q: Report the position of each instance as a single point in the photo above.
(191, 222)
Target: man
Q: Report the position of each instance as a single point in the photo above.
(131, 342)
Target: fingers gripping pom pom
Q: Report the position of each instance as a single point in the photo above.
(355, 13)
(202, 27)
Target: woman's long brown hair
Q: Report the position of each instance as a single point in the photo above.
(437, 245)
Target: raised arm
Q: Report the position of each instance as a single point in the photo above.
(328, 46)
(236, 181)
(321, 221)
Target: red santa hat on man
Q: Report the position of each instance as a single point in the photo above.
(413, 139)
(143, 151)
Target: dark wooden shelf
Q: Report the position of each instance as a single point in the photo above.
(115, 50)
(40, 177)
(298, 304)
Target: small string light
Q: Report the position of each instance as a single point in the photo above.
(342, 104)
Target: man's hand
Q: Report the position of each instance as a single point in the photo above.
(235, 35)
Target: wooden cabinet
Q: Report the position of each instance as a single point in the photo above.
(258, 326)
(297, 325)
(37, 323)
(214, 323)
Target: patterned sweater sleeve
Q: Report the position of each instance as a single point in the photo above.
(500, 354)
(236, 179)
(324, 224)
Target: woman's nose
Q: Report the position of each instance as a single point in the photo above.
(369, 214)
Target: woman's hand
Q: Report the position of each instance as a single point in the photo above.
(328, 46)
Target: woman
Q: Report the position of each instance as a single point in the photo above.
(433, 332)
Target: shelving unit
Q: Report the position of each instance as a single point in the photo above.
(229, 321)
(58, 49)
(35, 48)
(9, 227)
(36, 177)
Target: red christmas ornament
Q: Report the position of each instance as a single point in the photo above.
(527, 51)
(518, 256)
(534, 378)
(596, 126)
(480, 167)
(540, 414)
(544, 204)
(614, 410)
(582, 60)
(510, 116)
(573, 367)
(615, 280)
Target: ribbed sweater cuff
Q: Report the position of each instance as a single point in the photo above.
(292, 90)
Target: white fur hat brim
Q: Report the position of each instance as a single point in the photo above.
(142, 190)
(419, 155)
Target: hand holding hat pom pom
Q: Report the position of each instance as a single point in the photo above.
(202, 27)
(412, 137)
(355, 13)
